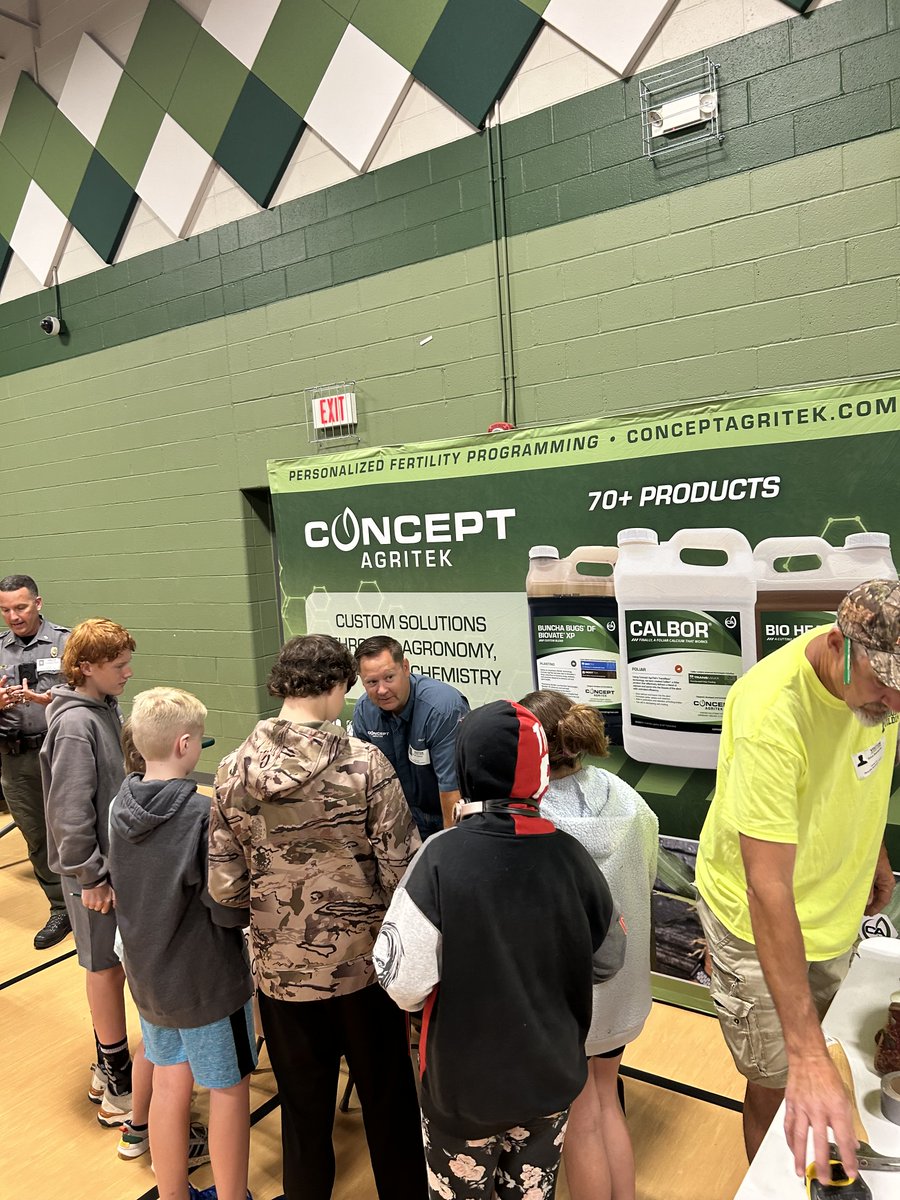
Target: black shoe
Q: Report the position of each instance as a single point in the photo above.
(54, 931)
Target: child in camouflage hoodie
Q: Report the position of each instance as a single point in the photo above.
(310, 828)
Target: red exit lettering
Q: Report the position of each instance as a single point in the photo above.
(331, 410)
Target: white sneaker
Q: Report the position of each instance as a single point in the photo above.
(114, 1110)
(133, 1142)
(97, 1085)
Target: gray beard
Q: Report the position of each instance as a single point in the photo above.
(869, 719)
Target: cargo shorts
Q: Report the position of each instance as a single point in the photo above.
(744, 1006)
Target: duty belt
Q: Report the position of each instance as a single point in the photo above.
(20, 743)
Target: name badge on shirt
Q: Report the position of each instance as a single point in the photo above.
(47, 666)
(866, 761)
(420, 757)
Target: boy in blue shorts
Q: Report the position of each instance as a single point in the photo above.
(184, 953)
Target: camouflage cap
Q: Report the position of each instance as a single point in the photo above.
(870, 615)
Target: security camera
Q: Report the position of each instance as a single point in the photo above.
(52, 326)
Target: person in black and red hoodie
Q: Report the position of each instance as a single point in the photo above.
(498, 930)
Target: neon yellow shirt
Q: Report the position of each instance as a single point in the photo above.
(795, 766)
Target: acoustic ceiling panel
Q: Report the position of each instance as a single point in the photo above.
(89, 88)
(613, 32)
(161, 49)
(473, 52)
(400, 27)
(259, 140)
(207, 91)
(240, 27)
(175, 177)
(62, 163)
(130, 129)
(14, 181)
(40, 235)
(27, 123)
(103, 207)
(351, 117)
(297, 49)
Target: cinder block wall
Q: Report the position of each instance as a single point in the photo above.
(766, 264)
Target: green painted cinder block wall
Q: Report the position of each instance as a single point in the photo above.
(133, 453)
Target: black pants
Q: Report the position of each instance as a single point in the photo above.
(305, 1041)
(21, 776)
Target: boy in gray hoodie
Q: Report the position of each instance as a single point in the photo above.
(81, 770)
(184, 953)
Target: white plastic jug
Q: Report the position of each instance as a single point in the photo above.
(802, 597)
(686, 634)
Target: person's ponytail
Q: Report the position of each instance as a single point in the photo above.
(573, 730)
(582, 731)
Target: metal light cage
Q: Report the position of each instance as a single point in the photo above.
(335, 435)
(699, 74)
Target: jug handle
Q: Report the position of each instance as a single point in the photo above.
(770, 550)
(594, 554)
(711, 539)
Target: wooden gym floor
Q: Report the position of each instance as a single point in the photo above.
(686, 1148)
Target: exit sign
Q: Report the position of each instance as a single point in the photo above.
(329, 411)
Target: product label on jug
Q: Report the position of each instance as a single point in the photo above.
(681, 663)
(579, 656)
(778, 628)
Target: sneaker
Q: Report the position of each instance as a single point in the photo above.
(54, 931)
(207, 1193)
(97, 1085)
(114, 1110)
(133, 1142)
(198, 1145)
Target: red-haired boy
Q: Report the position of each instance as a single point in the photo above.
(82, 769)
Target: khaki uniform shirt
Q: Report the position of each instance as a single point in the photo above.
(45, 650)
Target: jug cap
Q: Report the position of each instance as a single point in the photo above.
(855, 541)
(647, 536)
(543, 552)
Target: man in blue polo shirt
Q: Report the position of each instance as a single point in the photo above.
(413, 721)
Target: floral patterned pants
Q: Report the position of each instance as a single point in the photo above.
(518, 1164)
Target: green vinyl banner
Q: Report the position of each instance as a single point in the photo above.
(429, 544)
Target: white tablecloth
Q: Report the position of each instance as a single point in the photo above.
(858, 1011)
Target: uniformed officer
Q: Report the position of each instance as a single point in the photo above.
(29, 667)
(413, 721)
